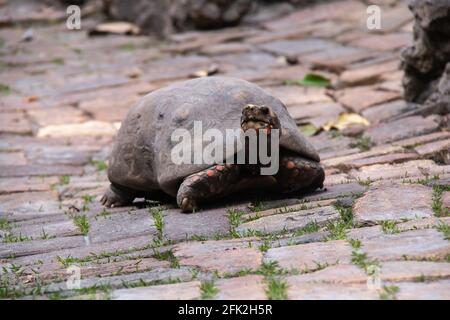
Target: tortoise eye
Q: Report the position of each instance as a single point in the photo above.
(265, 110)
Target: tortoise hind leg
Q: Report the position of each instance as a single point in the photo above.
(299, 174)
(214, 182)
(118, 196)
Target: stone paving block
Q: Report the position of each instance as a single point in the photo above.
(446, 199)
(29, 205)
(118, 281)
(107, 110)
(401, 129)
(89, 128)
(438, 290)
(384, 112)
(26, 184)
(393, 202)
(208, 222)
(387, 42)
(68, 155)
(368, 74)
(55, 272)
(349, 160)
(250, 287)
(389, 271)
(360, 98)
(295, 95)
(176, 291)
(34, 247)
(321, 291)
(221, 255)
(336, 60)
(50, 229)
(116, 246)
(226, 48)
(318, 114)
(61, 115)
(123, 225)
(310, 255)
(336, 191)
(251, 60)
(415, 244)
(388, 158)
(376, 231)
(291, 221)
(39, 170)
(406, 171)
(12, 158)
(320, 12)
(293, 48)
(414, 142)
(432, 148)
(15, 123)
(394, 18)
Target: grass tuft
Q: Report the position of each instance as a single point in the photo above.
(82, 222)
(208, 290)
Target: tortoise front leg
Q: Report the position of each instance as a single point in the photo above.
(298, 174)
(214, 182)
(118, 196)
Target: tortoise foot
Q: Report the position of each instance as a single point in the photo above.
(116, 197)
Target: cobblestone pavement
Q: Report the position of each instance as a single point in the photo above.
(380, 229)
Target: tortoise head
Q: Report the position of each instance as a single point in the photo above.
(259, 117)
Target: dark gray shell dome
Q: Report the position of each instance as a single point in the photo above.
(141, 155)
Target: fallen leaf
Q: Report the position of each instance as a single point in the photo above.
(310, 80)
(346, 120)
(308, 129)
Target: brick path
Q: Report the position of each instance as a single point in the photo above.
(383, 216)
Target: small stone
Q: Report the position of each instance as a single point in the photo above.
(393, 202)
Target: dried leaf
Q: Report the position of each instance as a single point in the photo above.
(308, 129)
(346, 120)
